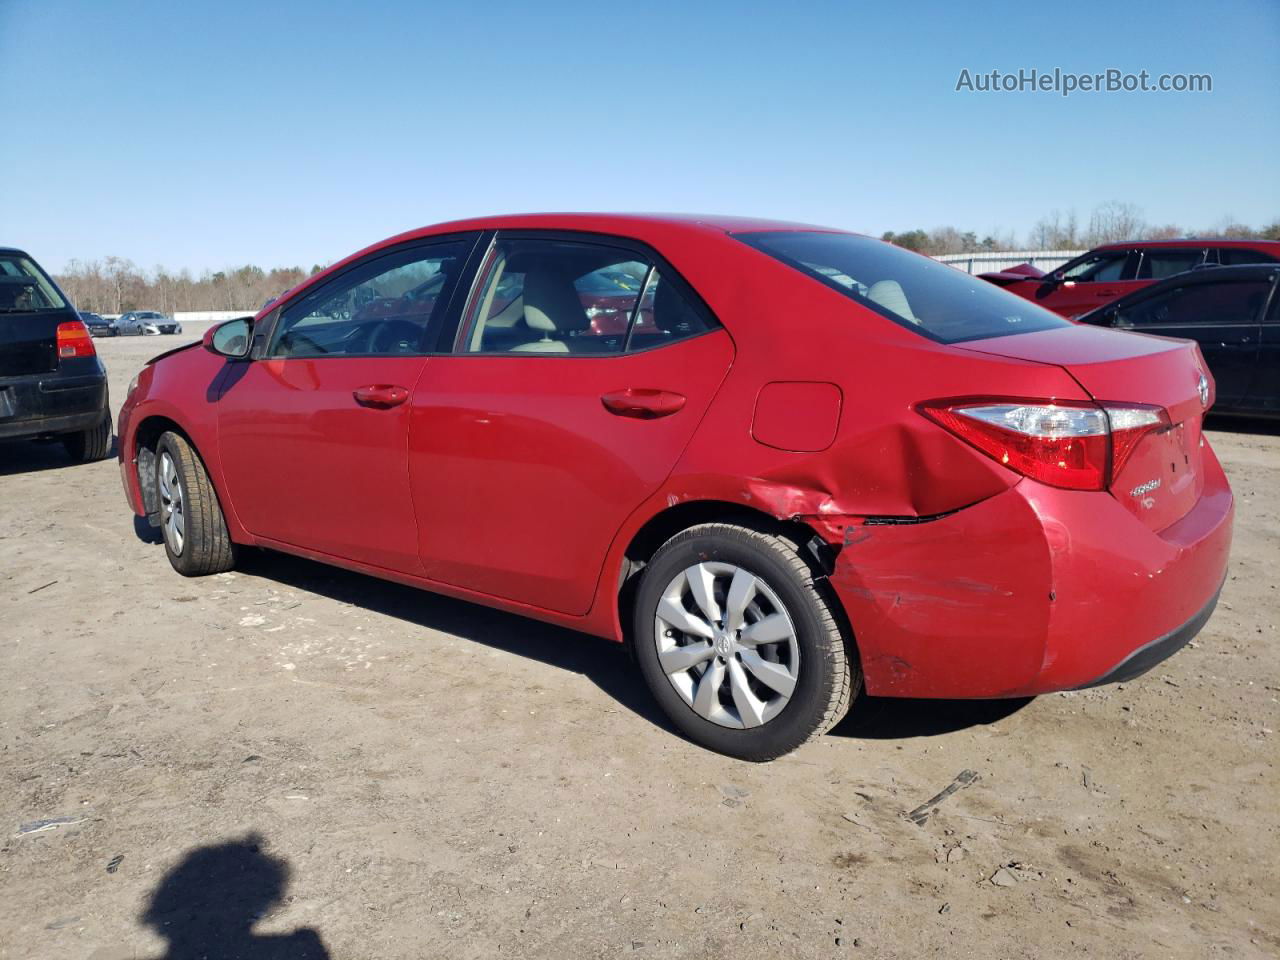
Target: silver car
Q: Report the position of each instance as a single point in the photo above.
(146, 323)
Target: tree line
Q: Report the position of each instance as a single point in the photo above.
(1108, 223)
(117, 285)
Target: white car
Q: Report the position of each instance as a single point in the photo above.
(146, 323)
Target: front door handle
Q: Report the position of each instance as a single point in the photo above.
(643, 404)
(380, 396)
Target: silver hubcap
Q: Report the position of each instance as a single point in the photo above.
(727, 644)
(171, 515)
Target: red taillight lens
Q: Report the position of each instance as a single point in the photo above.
(1129, 424)
(74, 340)
(1078, 446)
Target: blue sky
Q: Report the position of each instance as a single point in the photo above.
(202, 135)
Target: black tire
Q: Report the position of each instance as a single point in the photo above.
(204, 547)
(86, 446)
(827, 677)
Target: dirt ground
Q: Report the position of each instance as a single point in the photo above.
(411, 776)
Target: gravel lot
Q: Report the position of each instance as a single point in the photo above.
(417, 777)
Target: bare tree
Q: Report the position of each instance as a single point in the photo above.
(1056, 232)
(1113, 222)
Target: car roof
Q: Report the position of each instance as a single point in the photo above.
(648, 228)
(1191, 242)
(623, 224)
(620, 222)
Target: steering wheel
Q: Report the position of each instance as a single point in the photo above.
(387, 337)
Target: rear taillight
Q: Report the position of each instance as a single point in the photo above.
(1070, 444)
(74, 340)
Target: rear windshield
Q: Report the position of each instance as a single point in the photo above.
(923, 295)
(24, 288)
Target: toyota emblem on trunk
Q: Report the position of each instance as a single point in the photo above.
(1202, 387)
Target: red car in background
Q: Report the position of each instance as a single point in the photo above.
(808, 462)
(1116, 270)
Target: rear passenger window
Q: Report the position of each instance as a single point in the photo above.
(665, 315)
(1232, 256)
(544, 296)
(1158, 264)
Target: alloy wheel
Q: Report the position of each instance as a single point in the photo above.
(727, 644)
(172, 517)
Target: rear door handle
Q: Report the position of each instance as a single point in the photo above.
(643, 404)
(380, 396)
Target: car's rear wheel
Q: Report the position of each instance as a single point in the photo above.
(738, 644)
(85, 446)
(195, 531)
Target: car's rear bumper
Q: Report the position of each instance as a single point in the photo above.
(1034, 590)
(1158, 650)
(50, 404)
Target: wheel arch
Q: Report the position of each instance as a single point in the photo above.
(662, 526)
(145, 436)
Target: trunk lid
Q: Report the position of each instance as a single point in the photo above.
(1162, 479)
(28, 342)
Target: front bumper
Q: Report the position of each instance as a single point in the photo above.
(51, 404)
(1034, 590)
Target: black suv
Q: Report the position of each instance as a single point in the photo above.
(52, 383)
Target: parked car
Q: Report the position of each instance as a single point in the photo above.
(97, 326)
(829, 463)
(1233, 313)
(52, 383)
(1115, 270)
(146, 322)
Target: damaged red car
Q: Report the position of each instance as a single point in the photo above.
(807, 463)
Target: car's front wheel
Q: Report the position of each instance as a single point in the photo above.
(738, 643)
(195, 531)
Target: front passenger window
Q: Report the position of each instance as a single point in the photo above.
(1100, 268)
(387, 306)
(1200, 305)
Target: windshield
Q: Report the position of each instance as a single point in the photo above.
(923, 295)
(24, 288)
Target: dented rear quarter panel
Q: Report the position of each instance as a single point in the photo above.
(886, 460)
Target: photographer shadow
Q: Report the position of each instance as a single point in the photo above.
(206, 907)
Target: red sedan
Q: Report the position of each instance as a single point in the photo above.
(820, 462)
(1115, 270)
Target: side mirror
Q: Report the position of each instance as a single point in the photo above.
(230, 339)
